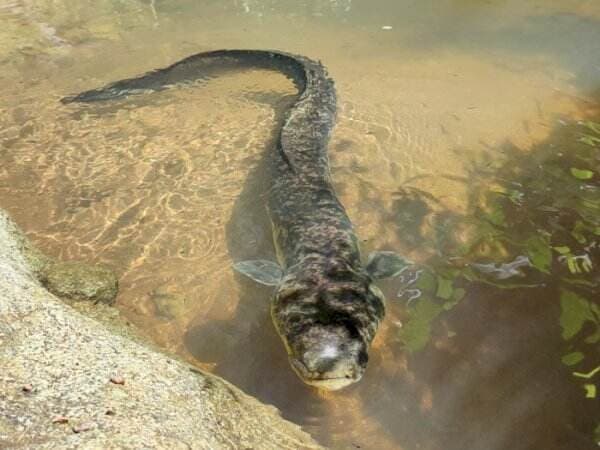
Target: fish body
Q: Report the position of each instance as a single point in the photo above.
(325, 305)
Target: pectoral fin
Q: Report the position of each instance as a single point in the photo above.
(261, 271)
(385, 264)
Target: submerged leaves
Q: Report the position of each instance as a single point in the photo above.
(581, 174)
(590, 390)
(416, 332)
(536, 222)
(444, 288)
(539, 251)
(572, 358)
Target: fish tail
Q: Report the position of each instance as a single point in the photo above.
(198, 68)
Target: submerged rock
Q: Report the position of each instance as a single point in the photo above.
(69, 360)
(71, 280)
(81, 282)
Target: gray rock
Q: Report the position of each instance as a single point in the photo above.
(67, 381)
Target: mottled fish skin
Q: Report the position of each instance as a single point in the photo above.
(326, 307)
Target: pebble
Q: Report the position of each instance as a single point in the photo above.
(83, 427)
(117, 380)
(60, 419)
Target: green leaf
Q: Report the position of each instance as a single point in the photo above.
(563, 250)
(595, 127)
(572, 358)
(539, 252)
(589, 140)
(444, 288)
(579, 264)
(426, 282)
(575, 311)
(590, 390)
(417, 330)
(457, 296)
(593, 338)
(581, 174)
(572, 265)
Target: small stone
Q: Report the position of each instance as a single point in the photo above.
(386, 27)
(27, 388)
(110, 412)
(83, 427)
(117, 380)
(60, 419)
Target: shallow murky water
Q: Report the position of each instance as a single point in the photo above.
(442, 105)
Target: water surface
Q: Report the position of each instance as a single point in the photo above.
(443, 107)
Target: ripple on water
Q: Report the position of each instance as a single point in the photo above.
(161, 187)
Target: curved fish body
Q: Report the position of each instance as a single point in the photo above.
(325, 307)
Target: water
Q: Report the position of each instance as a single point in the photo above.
(452, 115)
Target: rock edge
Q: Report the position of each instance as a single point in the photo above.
(66, 381)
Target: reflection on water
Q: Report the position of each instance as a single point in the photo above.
(441, 105)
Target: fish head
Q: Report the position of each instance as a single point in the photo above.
(328, 357)
(327, 331)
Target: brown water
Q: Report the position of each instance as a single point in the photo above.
(166, 189)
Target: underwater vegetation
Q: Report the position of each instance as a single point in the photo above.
(532, 230)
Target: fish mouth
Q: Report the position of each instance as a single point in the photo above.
(319, 381)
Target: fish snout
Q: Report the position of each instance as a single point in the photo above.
(328, 357)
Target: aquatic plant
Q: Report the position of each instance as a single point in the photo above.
(533, 225)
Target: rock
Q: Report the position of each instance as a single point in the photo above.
(72, 280)
(87, 426)
(69, 358)
(117, 380)
(80, 281)
(60, 420)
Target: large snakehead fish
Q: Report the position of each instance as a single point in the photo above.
(325, 305)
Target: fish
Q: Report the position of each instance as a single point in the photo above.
(325, 304)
